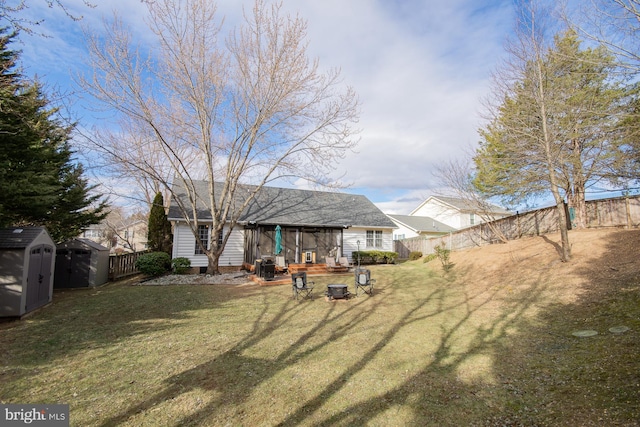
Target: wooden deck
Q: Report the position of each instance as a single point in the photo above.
(285, 279)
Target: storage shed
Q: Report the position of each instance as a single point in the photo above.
(81, 263)
(27, 261)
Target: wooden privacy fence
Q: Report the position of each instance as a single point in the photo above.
(123, 265)
(614, 212)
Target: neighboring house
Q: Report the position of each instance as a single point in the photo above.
(131, 236)
(414, 226)
(456, 213)
(126, 236)
(314, 225)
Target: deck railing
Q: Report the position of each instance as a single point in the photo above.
(123, 265)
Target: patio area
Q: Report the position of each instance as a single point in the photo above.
(282, 278)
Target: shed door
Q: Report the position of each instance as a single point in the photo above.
(80, 268)
(39, 276)
(63, 268)
(72, 268)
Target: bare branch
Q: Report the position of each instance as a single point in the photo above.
(244, 109)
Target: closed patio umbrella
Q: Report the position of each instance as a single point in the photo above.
(278, 240)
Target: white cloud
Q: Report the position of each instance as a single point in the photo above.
(420, 69)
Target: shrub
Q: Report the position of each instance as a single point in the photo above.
(443, 254)
(180, 265)
(154, 263)
(389, 257)
(415, 255)
(375, 257)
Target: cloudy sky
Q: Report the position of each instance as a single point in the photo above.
(420, 68)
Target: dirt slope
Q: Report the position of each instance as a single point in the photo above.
(565, 379)
(601, 259)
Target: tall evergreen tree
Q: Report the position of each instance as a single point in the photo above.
(159, 228)
(41, 184)
(558, 128)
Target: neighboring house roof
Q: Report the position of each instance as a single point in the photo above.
(462, 205)
(18, 237)
(422, 224)
(293, 207)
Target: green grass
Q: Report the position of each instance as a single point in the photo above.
(424, 350)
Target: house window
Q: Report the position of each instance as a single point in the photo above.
(398, 236)
(472, 219)
(374, 238)
(92, 233)
(203, 234)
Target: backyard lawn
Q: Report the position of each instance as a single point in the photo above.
(489, 343)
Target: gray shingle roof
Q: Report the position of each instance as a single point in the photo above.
(93, 245)
(422, 224)
(293, 207)
(18, 237)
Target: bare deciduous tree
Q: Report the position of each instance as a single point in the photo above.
(457, 176)
(13, 14)
(614, 24)
(520, 122)
(118, 230)
(248, 108)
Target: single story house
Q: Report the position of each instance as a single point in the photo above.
(457, 213)
(414, 226)
(313, 226)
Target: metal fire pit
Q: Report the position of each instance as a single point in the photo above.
(338, 291)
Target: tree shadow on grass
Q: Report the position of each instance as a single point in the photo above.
(556, 378)
(557, 246)
(234, 374)
(535, 372)
(429, 401)
(80, 320)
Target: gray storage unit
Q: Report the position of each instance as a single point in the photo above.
(27, 261)
(81, 263)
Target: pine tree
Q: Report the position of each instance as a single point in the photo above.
(159, 228)
(40, 182)
(569, 136)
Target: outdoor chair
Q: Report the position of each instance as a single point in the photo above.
(300, 286)
(344, 262)
(364, 281)
(332, 266)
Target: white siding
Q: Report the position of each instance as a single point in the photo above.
(184, 243)
(233, 254)
(451, 216)
(402, 230)
(352, 235)
(441, 212)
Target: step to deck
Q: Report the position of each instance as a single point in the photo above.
(310, 269)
